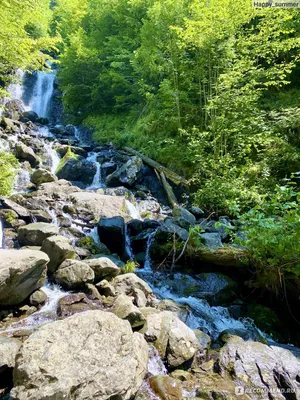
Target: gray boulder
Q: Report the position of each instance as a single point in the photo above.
(18, 209)
(263, 369)
(21, 273)
(25, 153)
(212, 240)
(127, 174)
(42, 176)
(73, 274)
(103, 268)
(92, 355)
(29, 116)
(34, 234)
(38, 298)
(58, 249)
(181, 213)
(13, 109)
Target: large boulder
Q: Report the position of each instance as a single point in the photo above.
(60, 189)
(21, 273)
(111, 232)
(58, 249)
(77, 169)
(25, 153)
(103, 268)
(126, 175)
(183, 217)
(42, 176)
(34, 234)
(99, 205)
(29, 116)
(73, 274)
(92, 355)
(18, 209)
(262, 369)
(173, 339)
(13, 109)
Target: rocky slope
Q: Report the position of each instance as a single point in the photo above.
(110, 333)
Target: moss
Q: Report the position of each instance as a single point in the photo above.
(10, 217)
(146, 214)
(68, 156)
(89, 243)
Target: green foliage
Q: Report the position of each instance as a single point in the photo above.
(24, 38)
(129, 267)
(215, 80)
(272, 232)
(8, 172)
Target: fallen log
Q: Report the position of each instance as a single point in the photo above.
(168, 189)
(179, 180)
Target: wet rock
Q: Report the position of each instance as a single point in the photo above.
(165, 387)
(217, 288)
(25, 153)
(182, 213)
(111, 232)
(180, 310)
(38, 298)
(255, 366)
(42, 176)
(126, 283)
(73, 274)
(99, 205)
(76, 303)
(29, 116)
(77, 170)
(42, 216)
(103, 268)
(58, 249)
(211, 240)
(127, 174)
(21, 273)
(34, 234)
(125, 309)
(120, 191)
(251, 333)
(196, 211)
(167, 229)
(102, 359)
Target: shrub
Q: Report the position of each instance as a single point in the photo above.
(8, 172)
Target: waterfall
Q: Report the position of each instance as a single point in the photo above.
(42, 93)
(21, 181)
(128, 247)
(1, 235)
(148, 262)
(97, 181)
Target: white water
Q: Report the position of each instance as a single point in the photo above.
(155, 363)
(148, 263)
(97, 181)
(21, 181)
(128, 247)
(47, 313)
(42, 93)
(1, 235)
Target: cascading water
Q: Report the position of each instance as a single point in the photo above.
(42, 93)
(97, 181)
(148, 263)
(132, 210)
(47, 313)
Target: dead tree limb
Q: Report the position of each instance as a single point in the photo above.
(179, 180)
(168, 189)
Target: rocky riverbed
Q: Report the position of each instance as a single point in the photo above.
(78, 323)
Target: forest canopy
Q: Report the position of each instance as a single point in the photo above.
(208, 88)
